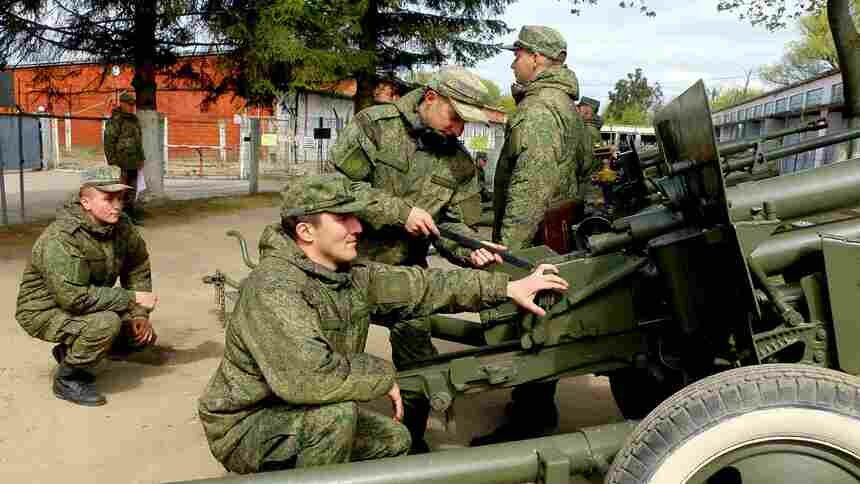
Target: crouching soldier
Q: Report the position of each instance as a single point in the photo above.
(294, 368)
(68, 295)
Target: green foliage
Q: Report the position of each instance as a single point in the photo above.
(633, 99)
(480, 143)
(726, 97)
(813, 54)
(494, 90)
(508, 104)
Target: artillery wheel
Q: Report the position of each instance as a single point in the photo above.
(771, 423)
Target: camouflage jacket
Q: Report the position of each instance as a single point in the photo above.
(546, 157)
(298, 331)
(123, 140)
(74, 267)
(593, 133)
(381, 150)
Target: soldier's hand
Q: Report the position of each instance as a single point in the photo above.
(420, 222)
(396, 401)
(483, 257)
(141, 330)
(146, 299)
(523, 291)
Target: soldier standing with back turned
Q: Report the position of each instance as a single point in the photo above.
(546, 159)
(406, 157)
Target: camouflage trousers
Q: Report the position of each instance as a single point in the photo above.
(284, 437)
(88, 337)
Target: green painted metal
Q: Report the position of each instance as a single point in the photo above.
(843, 274)
(798, 194)
(587, 451)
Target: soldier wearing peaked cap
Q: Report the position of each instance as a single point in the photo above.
(68, 293)
(406, 156)
(545, 162)
(294, 368)
(123, 145)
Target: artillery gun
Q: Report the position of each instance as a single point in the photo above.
(724, 317)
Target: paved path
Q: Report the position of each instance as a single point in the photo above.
(45, 191)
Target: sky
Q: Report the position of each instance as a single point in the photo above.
(688, 40)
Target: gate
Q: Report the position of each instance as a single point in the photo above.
(20, 143)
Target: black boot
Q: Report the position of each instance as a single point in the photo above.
(59, 351)
(416, 410)
(76, 386)
(532, 413)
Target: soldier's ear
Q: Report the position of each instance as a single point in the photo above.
(305, 232)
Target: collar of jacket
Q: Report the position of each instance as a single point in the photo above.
(558, 77)
(408, 107)
(74, 214)
(285, 248)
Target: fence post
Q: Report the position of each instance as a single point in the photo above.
(21, 163)
(253, 154)
(222, 140)
(166, 148)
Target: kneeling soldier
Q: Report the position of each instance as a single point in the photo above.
(294, 368)
(68, 295)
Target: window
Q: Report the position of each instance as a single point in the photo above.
(718, 119)
(795, 102)
(768, 109)
(836, 96)
(742, 114)
(780, 106)
(814, 97)
(758, 111)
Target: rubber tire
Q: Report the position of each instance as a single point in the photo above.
(737, 406)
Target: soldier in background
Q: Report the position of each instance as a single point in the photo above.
(294, 368)
(123, 145)
(546, 159)
(68, 294)
(406, 156)
(588, 109)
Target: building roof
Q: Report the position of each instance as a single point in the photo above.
(823, 75)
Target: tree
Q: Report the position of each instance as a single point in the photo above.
(723, 98)
(633, 99)
(508, 104)
(404, 33)
(147, 34)
(813, 54)
(775, 14)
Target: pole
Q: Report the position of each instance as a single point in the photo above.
(3, 188)
(253, 156)
(21, 163)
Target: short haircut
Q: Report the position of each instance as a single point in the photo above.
(289, 224)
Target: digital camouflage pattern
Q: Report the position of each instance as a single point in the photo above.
(393, 159)
(540, 40)
(123, 141)
(546, 158)
(294, 361)
(68, 293)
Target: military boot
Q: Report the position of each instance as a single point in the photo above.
(76, 386)
(524, 422)
(59, 351)
(416, 410)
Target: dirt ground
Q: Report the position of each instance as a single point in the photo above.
(149, 431)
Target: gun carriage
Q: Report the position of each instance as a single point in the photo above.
(725, 318)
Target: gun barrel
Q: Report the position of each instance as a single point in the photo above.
(808, 145)
(585, 450)
(798, 194)
(781, 251)
(728, 149)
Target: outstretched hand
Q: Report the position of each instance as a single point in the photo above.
(396, 401)
(523, 291)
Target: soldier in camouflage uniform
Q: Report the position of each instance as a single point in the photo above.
(123, 144)
(406, 156)
(546, 159)
(588, 109)
(285, 394)
(68, 295)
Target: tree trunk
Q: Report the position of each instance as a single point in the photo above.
(366, 79)
(847, 41)
(145, 89)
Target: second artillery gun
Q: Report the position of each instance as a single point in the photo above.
(727, 318)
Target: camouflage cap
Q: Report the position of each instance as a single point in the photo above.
(540, 40)
(465, 90)
(317, 194)
(126, 98)
(103, 178)
(594, 103)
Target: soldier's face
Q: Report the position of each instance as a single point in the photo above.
(439, 114)
(586, 112)
(103, 208)
(524, 66)
(335, 239)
